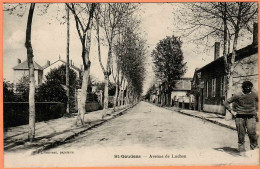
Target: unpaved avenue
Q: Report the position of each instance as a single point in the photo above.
(150, 135)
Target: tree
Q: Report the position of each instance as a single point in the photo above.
(168, 64)
(226, 21)
(19, 9)
(239, 15)
(30, 56)
(22, 88)
(8, 94)
(55, 88)
(52, 91)
(83, 15)
(68, 59)
(110, 17)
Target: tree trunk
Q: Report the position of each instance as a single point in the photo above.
(28, 45)
(169, 99)
(67, 64)
(108, 72)
(83, 95)
(229, 81)
(228, 115)
(127, 97)
(106, 92)
(119, 96)
(116, 96)
(225, 29)
(86, 73)
(163, 99)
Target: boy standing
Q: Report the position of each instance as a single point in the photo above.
(244, 109)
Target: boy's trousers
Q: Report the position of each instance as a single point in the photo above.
(246, 123)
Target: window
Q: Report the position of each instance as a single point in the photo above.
(207, 89)
(222, 86)
(213, 89)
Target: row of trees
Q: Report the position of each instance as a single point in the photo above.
(125, 58)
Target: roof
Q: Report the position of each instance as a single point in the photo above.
(24, 66)
(45, 66)
(182, 85)
(72, 66)
(241, 54)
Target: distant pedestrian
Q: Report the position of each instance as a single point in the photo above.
(245, 108)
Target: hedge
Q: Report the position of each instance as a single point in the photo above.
(17, 113)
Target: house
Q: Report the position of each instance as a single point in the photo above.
(208, 83)
(48, 67)
(180, 94)
(21, 70)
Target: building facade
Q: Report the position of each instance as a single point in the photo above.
(180, 95)
(22, 70)
(50, 66)
(208, 84)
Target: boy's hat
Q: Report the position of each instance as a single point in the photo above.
(247, 84)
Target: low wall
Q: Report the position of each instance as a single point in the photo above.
(17, 113)
(92, 106)
(214, 109)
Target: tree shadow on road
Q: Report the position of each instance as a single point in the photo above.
(230, 150)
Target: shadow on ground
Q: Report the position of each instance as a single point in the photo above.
(229, 150)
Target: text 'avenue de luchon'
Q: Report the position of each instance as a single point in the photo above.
(152, 156)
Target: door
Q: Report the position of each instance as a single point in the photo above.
(201, 99)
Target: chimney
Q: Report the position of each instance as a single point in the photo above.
(217, 50)
(18, 61)
(255, 34)
(48, 63)
(70, 62)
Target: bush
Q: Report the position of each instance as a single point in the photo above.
(8, 94)
(17, 113)
(22, 89)
(57, 78)
(51, 92)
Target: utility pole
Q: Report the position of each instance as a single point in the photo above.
(68, 59)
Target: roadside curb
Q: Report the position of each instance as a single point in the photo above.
(213, 121)
(203, 118)
(62, 140)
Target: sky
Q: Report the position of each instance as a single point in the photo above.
(49, 39)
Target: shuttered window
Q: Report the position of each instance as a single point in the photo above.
(213, 89)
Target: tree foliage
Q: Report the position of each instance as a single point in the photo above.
(131, 58)
(204, 22)
(168, 61)
(22, 89)
(8, 94)
(54, 89)
(111, 18)
(83, 16)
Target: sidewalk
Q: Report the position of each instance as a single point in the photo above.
(211, 117)
(214, 118)
(54, 132)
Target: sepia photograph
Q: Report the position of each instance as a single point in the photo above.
(130, 84)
